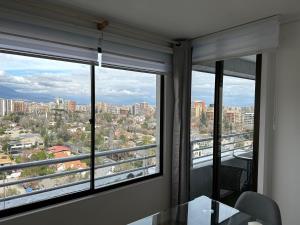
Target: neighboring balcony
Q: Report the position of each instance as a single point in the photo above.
(236, 164)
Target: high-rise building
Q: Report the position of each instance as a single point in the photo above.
(229, 116)
(248, 119)
(199, 107)
(210, 114)
(71, 106)
(124, 111)
(18, 106)
(101, 107)
(233, 115)
(59, 103)
(9, 106)
(113, 109)
(136, 109)
(144, 105)
(2, 107)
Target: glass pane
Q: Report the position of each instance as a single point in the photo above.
(202, 120)
(127, 125)
(44, 116)
(237, 128)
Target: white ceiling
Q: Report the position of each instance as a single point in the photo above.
(186, 18)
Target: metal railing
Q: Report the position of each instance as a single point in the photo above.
(223, 152)
(111, 163)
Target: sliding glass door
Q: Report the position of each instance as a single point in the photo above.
(231, 164)
(237, 129)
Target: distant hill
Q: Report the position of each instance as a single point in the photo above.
(9, 93)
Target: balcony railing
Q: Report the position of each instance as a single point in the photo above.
(108, 178)
(227, 147)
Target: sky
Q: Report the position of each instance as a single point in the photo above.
(30, 75)
(236, 91)
(72, 80)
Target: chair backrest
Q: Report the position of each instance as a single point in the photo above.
(260, 207)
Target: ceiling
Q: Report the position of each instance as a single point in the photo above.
(186, 18)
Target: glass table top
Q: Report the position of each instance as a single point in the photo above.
(200, 211)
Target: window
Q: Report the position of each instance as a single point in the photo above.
(224, 138)
(202, 127)
(202, 114)
(127, 125)
(236, 168)
(47, 128)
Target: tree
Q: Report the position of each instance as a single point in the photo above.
(108, 117)
(123, 139)
(226, 125)
(39, 170)
(146, 140)
(203, 119)
(145, 125)
(4, 143)
(46, 140)
(41, 155)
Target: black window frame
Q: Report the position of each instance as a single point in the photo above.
(93, 190)
(217, 131)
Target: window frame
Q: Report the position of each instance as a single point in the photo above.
(217, 124)
(160, 85)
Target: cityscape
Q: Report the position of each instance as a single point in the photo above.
(34, 131)
(235, 121)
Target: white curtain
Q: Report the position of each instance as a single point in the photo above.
(34, 31)
(119, 51)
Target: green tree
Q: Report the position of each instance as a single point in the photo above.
(41, 155)
(144, 125)
(99, 140)
(146, 140)
(2, 130)
(203, 119)
(4, 142)
(108, 117)
(123, 139)
(39, 170)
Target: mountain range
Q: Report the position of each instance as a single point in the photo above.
(9, 93)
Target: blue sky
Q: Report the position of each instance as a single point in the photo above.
(72, 81)
(236, 91)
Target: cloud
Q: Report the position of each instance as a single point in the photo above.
(56, 78)
(236, 91)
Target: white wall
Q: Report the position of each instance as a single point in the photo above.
(282, 175)
(114, 207)
(266, 122)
